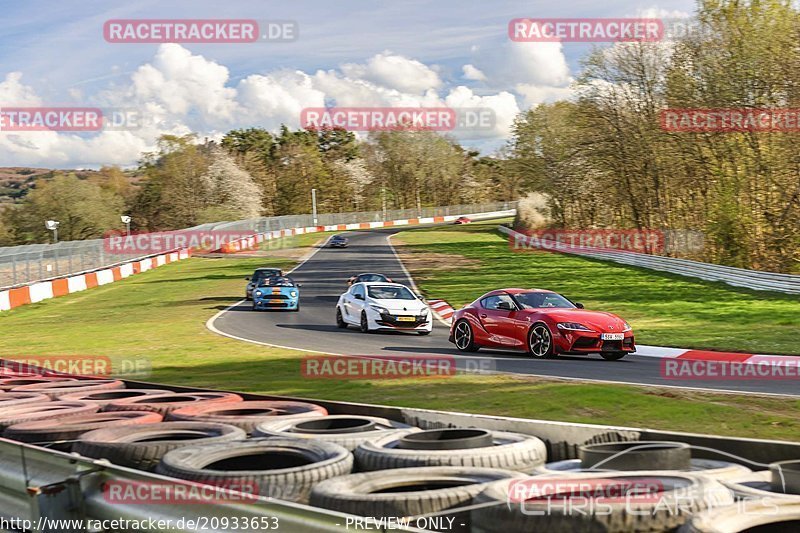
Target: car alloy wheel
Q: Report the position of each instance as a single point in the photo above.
(462, 337)
(364, 323)
(540, 341)
(340, 323)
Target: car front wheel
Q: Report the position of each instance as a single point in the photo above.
(540, 341)
(340, 323)
(612, 356)
(463, 337)
(364, 323)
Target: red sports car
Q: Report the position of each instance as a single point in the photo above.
(543, 323)
(462, 220)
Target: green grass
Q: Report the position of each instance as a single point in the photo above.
(664, 309)
(160, 315)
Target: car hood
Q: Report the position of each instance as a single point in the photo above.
(399, 306)
(597, 320)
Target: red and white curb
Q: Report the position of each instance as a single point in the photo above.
(442, 309)
(53, 288)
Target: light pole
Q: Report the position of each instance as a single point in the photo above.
(127, 221)
(52, 225)
(314, 206)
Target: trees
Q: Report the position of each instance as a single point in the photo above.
(84, 210)
(605, 161)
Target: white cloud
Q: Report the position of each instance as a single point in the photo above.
(395, 72)
(473, 73)
(178, 92)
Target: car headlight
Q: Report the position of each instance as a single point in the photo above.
(423, 311)
(572, 326)
(380, 310)
(259, 293)
(626, 327)
(293, 294)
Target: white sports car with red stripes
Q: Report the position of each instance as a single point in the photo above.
(374, 306)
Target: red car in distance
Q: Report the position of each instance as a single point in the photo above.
(543, 323)
(462, 220)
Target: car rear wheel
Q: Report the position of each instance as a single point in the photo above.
(463, 337)
(540, 341)
(340, 323)
(612, 356)
(424, 332)
(364, 323)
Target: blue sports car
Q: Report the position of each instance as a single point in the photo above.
(277, 292)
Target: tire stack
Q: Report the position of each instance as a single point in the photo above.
(454, 479)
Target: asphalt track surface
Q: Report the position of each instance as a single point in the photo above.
(313, 329)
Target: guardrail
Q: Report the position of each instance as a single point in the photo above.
(20, 265)
(739, 277)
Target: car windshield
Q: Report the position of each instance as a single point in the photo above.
(386, 292)
(372, 277)
(543, 300)
(266, 273)
(276, 281)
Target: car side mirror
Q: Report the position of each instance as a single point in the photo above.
(358, 297)
(299, 285)
(579, 305)
(247, 278)
(505, 306)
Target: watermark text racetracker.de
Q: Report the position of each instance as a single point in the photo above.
(144, 243)
(731, 120)
(69, 119)
(221, 31)
(649, 241)
(399, 118)
(348, 367)
(753, 368)
(74, 365)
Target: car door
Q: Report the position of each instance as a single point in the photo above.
(500, 318)
(354, 303)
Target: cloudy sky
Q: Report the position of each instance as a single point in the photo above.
(349, 53)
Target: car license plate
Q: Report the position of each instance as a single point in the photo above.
(612, 336)
(405, 319)
(276, 301)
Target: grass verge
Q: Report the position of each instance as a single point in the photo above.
(160, 315)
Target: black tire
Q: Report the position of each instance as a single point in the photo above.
(105, 397)
(43, 411)
(296, 309)
(144, 446)
(636, 455)
(166, 403)
(463, 337)
(682, 495)
(540, 341)
(248, 415)
(16, 399)
(340, 323)
(56, 389)
(282, 468)
(345, 430)
(60, 435)
(408, 492)
(423, 333)
(364, 326)
(510, 451)
(613, 356)
(255, 307)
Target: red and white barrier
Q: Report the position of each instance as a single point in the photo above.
(250, 243)
(43, 290)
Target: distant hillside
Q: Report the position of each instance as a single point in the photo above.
(15, 182)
